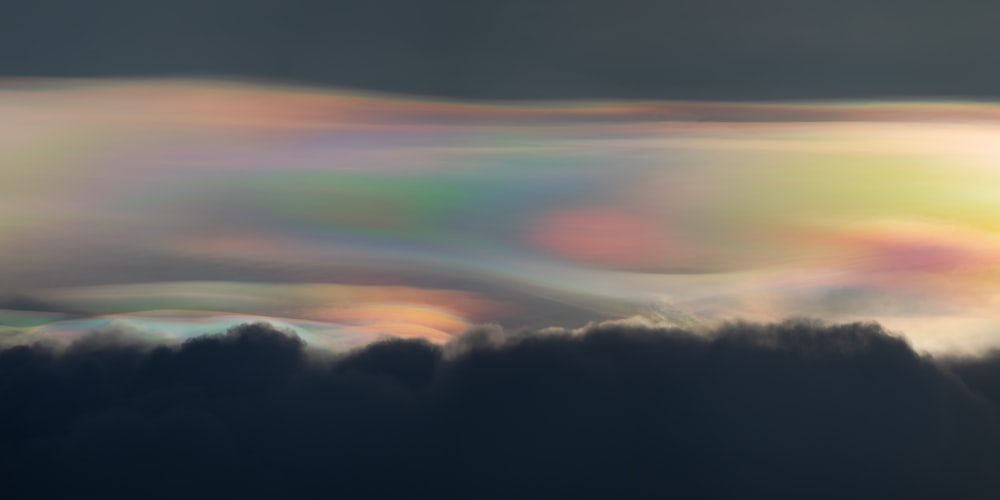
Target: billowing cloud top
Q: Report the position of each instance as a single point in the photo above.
(174, 207)
(784, 411)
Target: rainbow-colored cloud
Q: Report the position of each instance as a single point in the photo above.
(171, 205)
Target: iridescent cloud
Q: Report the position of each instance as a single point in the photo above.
(345, 214)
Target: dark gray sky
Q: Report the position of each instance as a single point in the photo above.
(702, 49)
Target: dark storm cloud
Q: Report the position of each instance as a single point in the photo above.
(795, 410)
(707, 49)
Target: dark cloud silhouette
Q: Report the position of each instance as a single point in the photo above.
(703, 49)
(793, 410)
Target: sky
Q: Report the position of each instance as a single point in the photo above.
(470, 249)
(551, 49)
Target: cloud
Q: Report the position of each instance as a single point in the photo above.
(798, 409)
(418, 217)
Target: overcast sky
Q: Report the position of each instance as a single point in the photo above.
(681, 49)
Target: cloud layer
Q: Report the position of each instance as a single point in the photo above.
(792, 410)
(165, 201)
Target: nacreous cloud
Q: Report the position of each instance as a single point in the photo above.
(415, 217)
